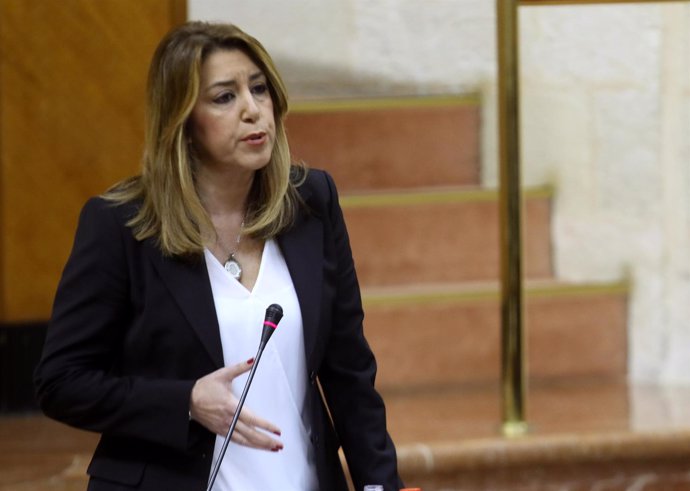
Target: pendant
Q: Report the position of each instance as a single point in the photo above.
(233, 267)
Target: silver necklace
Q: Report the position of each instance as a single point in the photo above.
(232, 265)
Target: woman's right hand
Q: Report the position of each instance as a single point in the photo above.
(213, 405)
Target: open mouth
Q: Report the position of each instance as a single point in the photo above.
(254, 137)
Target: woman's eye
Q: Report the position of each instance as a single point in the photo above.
(224, 98)
(260, 89)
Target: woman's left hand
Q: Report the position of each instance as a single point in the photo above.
(213, 405)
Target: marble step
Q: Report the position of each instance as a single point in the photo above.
(389, 143)
(585, 434)
(438, 335)
(441, 235)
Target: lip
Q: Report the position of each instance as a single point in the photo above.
(255, 138)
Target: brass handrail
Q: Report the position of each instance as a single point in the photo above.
(513, 371)
(513, 350)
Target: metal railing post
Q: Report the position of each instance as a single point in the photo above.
(513, 371)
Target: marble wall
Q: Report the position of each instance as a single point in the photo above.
(606, 119)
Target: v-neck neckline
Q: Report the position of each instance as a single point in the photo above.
(230, 278)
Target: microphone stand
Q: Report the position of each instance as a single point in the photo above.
(273, 316)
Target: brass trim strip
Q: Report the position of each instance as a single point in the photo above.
(314, 106)
(432, 197)
(541, 291)
(375, 299)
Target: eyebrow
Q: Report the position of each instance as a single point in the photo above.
(233, 82)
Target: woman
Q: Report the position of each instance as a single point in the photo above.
(159, 308)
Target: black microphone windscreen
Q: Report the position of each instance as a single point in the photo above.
(274, 313)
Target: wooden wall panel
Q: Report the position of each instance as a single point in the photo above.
(72, 79)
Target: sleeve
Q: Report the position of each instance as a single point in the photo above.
(77, 379)
(348, 372)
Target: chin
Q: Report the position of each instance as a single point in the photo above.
(256, 165)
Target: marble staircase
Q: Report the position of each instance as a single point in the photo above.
(425, 239)
(424, 234)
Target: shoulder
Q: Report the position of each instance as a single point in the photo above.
(318, 188)
(100, 209)
(105, 218)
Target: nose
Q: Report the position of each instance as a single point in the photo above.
(250, 108)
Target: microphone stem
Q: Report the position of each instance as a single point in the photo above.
(236, 416)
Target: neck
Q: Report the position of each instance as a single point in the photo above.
(224, 194)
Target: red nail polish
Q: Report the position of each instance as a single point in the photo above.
(277, 433)
(250, 361)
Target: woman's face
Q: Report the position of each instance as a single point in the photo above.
(232, 125)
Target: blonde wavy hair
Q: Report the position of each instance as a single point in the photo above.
(170, 209)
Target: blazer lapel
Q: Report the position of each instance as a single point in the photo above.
(302, 247)
(189, 285)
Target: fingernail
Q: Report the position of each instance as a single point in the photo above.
(277, 448)
(250, 361)
(277, 433)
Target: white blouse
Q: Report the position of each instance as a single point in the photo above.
(277, 393)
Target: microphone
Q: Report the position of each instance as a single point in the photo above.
(274, 313)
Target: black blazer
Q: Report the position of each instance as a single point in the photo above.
(132, 330)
